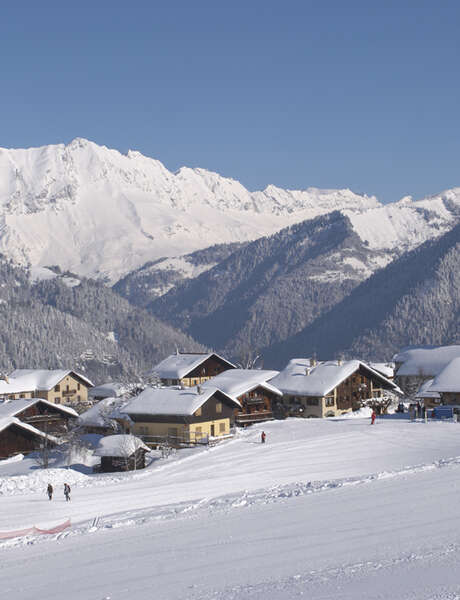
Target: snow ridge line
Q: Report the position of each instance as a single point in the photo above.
(245, 499)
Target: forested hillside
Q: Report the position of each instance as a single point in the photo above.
(85, 326)
(272, 288)
(415, 300)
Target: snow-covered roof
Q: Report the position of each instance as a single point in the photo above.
(177, 366)
(119, 445)
(99, 413)
(322, 378)
(171, 401)
(425, 361)
(112, 389)
(28, 380)
(448, 379)
(235, 382)
(425, 390)
(6, 422)
(10, 408)
(387, 369)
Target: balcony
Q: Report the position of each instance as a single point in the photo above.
(69, 392)
(257, 417)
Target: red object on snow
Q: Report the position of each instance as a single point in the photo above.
(373, 417)
(7, 535)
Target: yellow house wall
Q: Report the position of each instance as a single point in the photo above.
(183, 430)
(79, 396)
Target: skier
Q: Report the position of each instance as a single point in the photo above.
(49, 491)
(262, 437)
(373, 417)
(67, 491)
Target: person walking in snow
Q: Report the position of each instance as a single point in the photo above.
(49, 491)
(262, 437)
(373, 417)
(67, 491)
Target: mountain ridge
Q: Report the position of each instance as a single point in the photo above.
(103, 214)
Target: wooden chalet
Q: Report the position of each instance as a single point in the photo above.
(447, 385)
(41, 414)
(329, 389)
(190, 369)
(181, 415)
(17, 437)
(250, 388)
(121, 452)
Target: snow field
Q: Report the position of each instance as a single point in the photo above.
(325, 509)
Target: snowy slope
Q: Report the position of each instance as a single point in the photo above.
(95, 211)
(326, 509)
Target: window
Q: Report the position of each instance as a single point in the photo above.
(57, 388)
(57, 401)
(22, 395)
(78, 386)
(198, 433)
(312, 402)
(198, 412)
(78, 398)
(329, 401)
(222, 427)
(219, 407)
(67, 388)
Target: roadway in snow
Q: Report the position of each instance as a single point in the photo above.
(326, 509)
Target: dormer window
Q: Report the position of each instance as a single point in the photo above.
(57, 388)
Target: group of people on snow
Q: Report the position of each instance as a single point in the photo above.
(50, 491)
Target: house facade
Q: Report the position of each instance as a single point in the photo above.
(41, 414)
(329, 389)
(250, 388)
(17, 437)
(447, 384)
(57, 386)
(415, 366)
(180, 415)
(190, 369)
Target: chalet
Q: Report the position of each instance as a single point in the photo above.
(55, 385)
(101, 418)
(414, 366)
(447, 383)
(43, 415)
(17, 437)
(250, 388)
(121, 453)
(386, 369)
(190, 369)
(181, 415)
(429, 398)
(112, 389)
(329, 389)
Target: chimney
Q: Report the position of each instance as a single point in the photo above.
(198, 389)
(313, 361)
(307, 371)
(5, 378)
(339, 361)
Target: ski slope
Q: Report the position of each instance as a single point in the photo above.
(325, 509)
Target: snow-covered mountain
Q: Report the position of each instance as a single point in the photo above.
(97, 212)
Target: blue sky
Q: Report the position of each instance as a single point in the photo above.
(358, 94)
